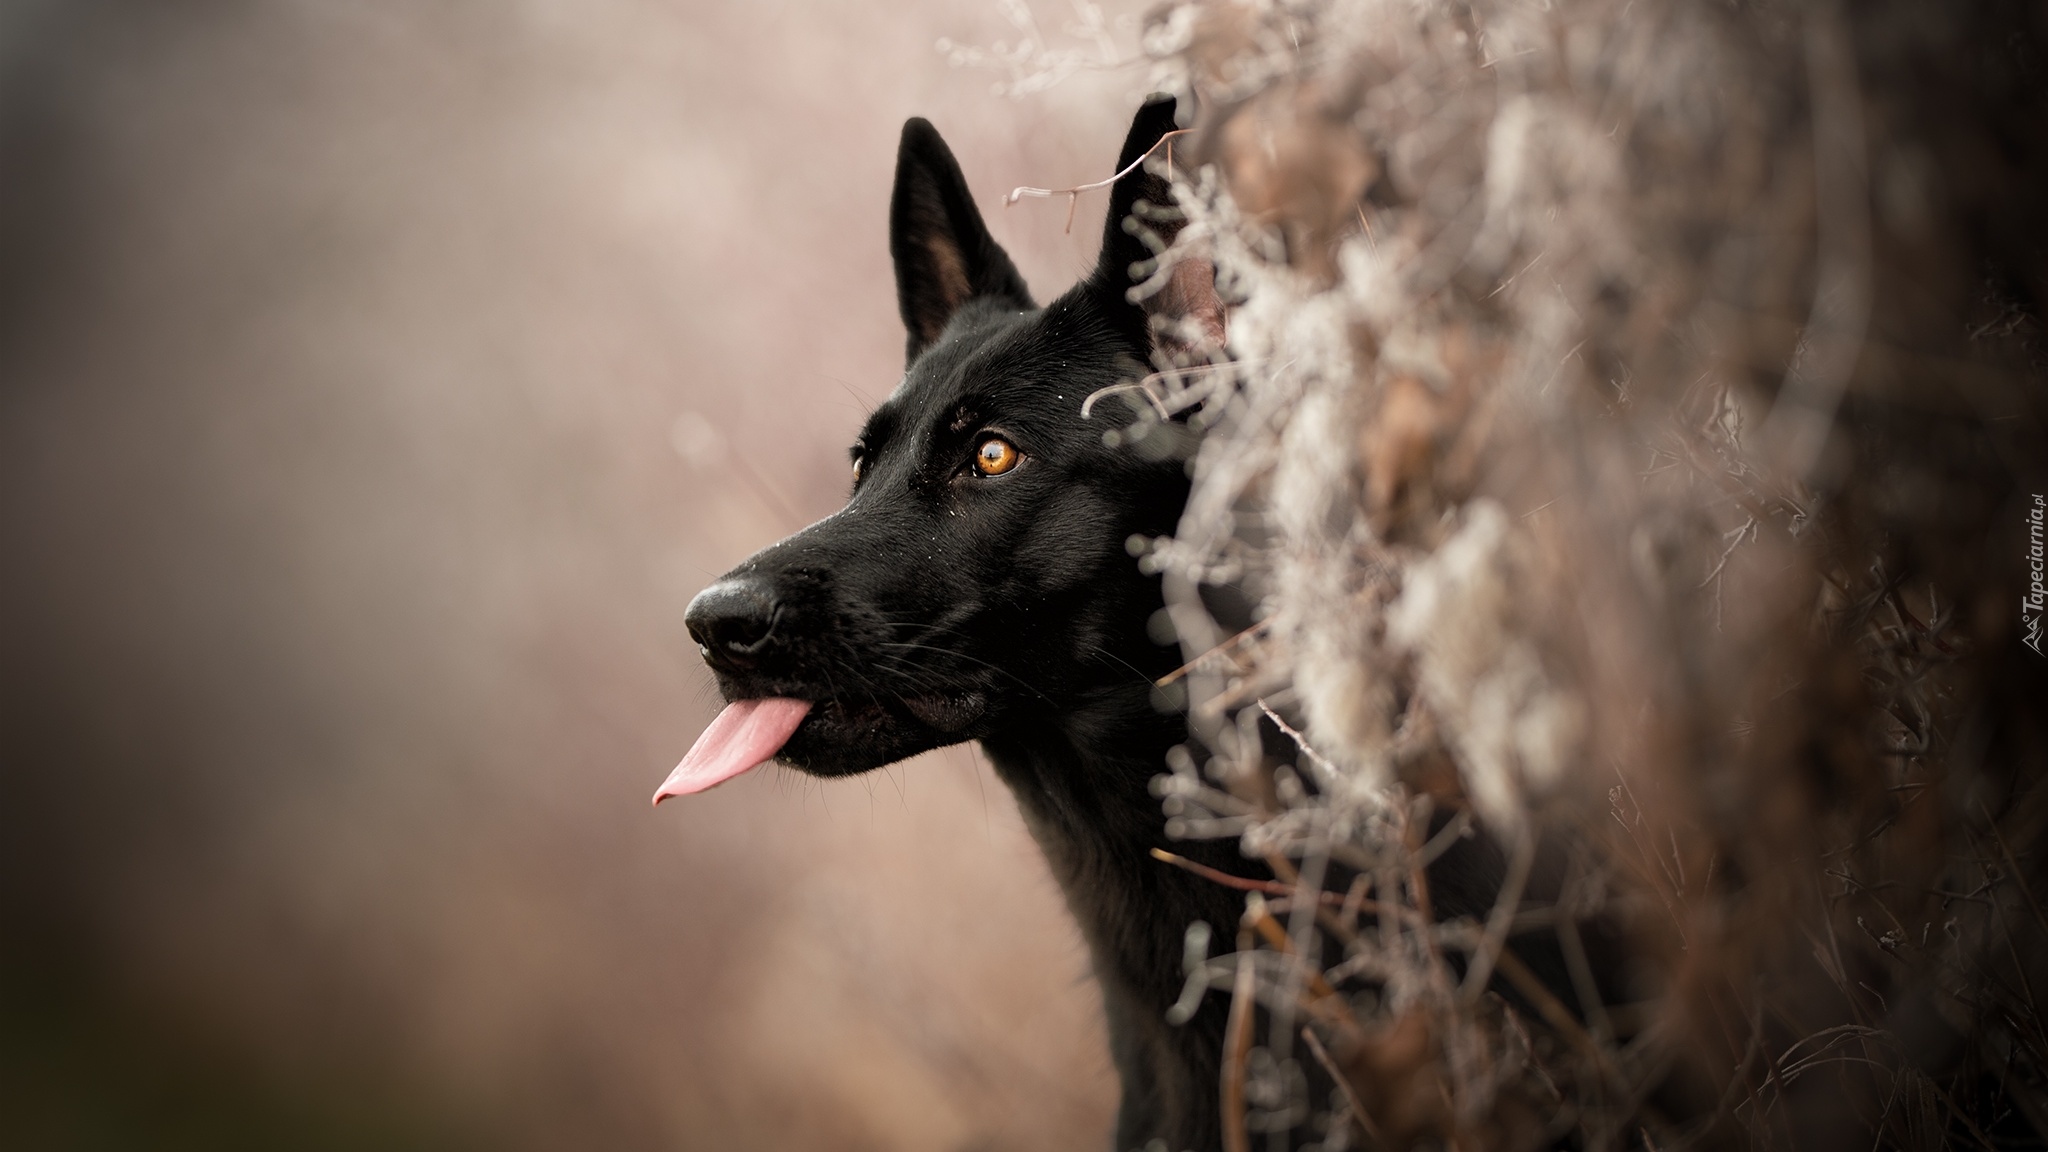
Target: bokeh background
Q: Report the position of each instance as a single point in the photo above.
(378, 381)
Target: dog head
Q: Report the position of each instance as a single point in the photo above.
(978, 576)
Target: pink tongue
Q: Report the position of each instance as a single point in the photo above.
(747, 734)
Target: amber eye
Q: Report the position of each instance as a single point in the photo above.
(995, 456)
(857, 461)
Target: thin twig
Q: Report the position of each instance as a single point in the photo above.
(1218, 650)
(1263, 887)
(1343, 1082)
(1237, 1044)
(1145, 386)
(1017, 194)
(1556, 1014)
(1317, 758)
(1501, 918)
(2012, 868)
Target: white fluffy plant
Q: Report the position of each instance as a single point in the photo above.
(1540, 318)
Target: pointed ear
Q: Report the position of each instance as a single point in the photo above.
(1143, 202)
(944, 254)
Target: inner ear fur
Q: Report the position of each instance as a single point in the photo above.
(943, 252)
(1139, 202)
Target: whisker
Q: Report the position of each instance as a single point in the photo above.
(1106, 653)
(997, 668)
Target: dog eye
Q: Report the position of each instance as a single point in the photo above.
(857, 462)
(995, 456)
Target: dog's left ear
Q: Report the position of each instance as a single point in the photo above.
(944, 253)
(1142, 201)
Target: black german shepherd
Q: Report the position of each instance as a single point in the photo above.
(977, 587)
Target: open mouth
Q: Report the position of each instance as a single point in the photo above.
(751, 732)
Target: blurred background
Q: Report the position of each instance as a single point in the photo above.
(378, 381)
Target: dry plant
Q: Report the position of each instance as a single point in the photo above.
(1627, 432)
(1032, 62)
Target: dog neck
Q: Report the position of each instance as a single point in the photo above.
(1084, 790)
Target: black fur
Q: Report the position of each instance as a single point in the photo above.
(941, 605)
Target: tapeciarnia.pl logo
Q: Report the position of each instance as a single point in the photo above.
(2033, 604)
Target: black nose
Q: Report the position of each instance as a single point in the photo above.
(733, 621)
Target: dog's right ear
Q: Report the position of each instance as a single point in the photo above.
(944, 254)
(1189, 291)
